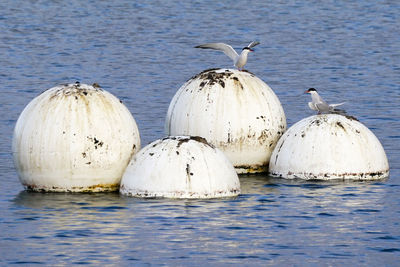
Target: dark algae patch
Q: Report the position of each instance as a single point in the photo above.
(211, 77)
(76, 90)
(195, 138)
(339, 124)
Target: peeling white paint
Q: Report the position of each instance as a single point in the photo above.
(180, 167)
(235, 111)
(74, 137)
(329, 146)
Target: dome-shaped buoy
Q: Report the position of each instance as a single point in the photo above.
(180, 167)
(329, 146)
(74, 138)
(235, 111)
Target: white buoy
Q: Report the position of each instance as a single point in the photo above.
(235, 111)
(329, 146)
(74, 138)
(180, 167)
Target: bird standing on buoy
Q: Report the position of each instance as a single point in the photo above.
(318, 104)
(238, 60)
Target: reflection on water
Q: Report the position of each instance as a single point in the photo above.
(74, 227)
(101, 228)
(57, 201)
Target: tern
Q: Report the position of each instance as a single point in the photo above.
(238, 60)
(318, 104)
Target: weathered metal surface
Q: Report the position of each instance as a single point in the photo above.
(180, 167)
(76, 138)
(235, 111)
(329, 146)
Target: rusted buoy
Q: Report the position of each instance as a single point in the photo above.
(74, 138)
(180, 167)
(329, 146)
(235, 111)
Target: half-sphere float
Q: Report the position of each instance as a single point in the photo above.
(327, 147)
(180, 167)
(74, 138)
(235, 111)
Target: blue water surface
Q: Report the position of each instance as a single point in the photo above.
(142, 52)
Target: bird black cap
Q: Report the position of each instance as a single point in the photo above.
(247, 48)
(310, 90)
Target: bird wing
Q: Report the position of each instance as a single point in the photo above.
(253, 44)
(311, 105)
(336, 105)
(322, 106)
(227, 49)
